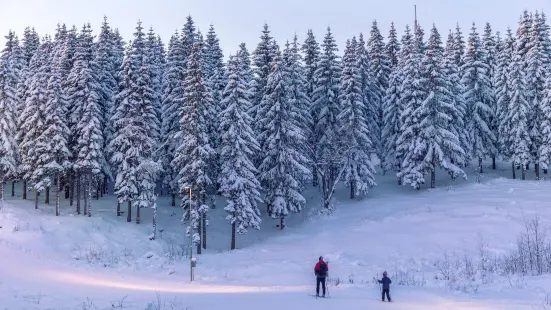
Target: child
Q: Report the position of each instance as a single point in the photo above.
(386, 286)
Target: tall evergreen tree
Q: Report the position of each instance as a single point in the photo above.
(326, 107)
(459, 48)
(154, 49)
(380, 70)
(172, 89)
(478, 94)
(369, 98)
(412, 98)
(195, 152)
(238, 144)
(489, 45)
(503, 95)
(311, 50)
(537, 72)
(132, 144)
(392, 110)
(393, 46)
(282, 157)
(9, 75)
(354, 131)
(31, 44)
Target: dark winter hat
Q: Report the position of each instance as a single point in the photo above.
(321, 257)
(384, 273)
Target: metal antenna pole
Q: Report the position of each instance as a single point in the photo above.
(415, 12)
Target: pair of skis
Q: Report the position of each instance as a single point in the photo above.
(317, 296)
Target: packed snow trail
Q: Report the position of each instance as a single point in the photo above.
(28, 283)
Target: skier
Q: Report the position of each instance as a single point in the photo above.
(320, 270)
(386, 286)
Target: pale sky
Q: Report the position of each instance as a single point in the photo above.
(239, 21)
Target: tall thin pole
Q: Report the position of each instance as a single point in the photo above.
(415, 12)
(190, 244)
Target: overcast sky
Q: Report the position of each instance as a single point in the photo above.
(239, 21)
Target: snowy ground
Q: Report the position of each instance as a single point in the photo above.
(76, 262)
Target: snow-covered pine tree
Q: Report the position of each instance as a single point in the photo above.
(393, 46)
(188, 38)
(537, 72)
(380, 71)
(411, 99)
(437, 144)
(519, 111)
(299, 102)
(311, 50)
(282, 158)
(545, 149)
(155, 56)
(354, 131)
(52, 141)
(245, 61)
(107, 74)
(370, 101)
(9, 102)
(459, 48)
(263, 56)
(478, 92)
(32, 119)
(133, 145)
(392, 110)
(238, 182)
(31, 44)
(326, 108)
(85, 95)
(195, 153)
(489, 45)
(172, 89)
(503, 96)
(459, 106)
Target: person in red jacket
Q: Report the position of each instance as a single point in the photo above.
(320, 270)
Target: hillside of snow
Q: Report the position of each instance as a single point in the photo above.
(76, 262)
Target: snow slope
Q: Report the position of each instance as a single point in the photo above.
(76, 262)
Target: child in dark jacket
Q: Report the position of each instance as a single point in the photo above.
(386, 286)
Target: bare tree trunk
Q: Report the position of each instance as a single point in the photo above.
(129, 215)
(527, 166)
(36, 200)
(72, 188)
(77, 177)
(282, 222)
(537, 169)
(2, 190)
(514, 172)
(494, 162)
(13, 188)
(173, 202)
(24, 189)
(523, 175)
(105, 185)
(352, 190)
(315, 176)
(57, 194)
(47, 196)
(118, 207)
(138, 214)
(154, 234)
(232, 247)
(480, 166)
(544, 170)
(85, 185)
(204, 217)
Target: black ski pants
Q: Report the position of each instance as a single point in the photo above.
(318, 281)
(387, 292)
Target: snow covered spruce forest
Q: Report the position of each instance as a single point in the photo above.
(82, 115)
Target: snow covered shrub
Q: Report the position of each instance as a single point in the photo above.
(409, 277)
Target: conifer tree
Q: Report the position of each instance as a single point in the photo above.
(238, 144)
(281, 154)
(437, 144)
(172, 89)
(326, 107)
(380, 70)
(195, 153)
(489, 45)
(311, 51)
(354, 131)
(132, 144)
(412, 98)
(477, 87)
(503, 96)
(154, 50)
(9, 74)
(459, 48)
(368, 98)
(393, 46)
(392, 110)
